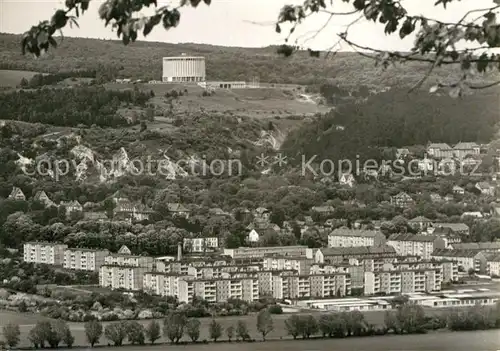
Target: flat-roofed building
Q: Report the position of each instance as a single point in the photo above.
(261, 252)
(84, 259)
(351, 237)
(44, 252)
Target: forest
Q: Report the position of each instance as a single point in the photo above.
(70, 107)
(395, 119)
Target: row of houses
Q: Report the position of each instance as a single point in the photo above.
(460, 150)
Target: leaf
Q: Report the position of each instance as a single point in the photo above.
(195, 3)
(207, 2)
(52, 42)
(433, 89)
(278, 28)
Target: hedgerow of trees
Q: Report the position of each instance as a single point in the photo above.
(71, 107)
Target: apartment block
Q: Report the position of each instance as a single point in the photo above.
(336, 255)
(493, 264)
(200, 244)
(162, 284)
(352, 238)
(129, 278)
(125, 258)
(84, 259)
(261, 252)
(465, 259)
(402, 281)
(124, 270)
(219, 290)
(44, 252)
(299, 264)
(416, 244)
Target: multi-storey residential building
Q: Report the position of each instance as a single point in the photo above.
(299, 264)
(461, 150)
(124, 270)
(17, 194)
(71, 206)
(200, 244)
(402, 281)
(440, 150)
(420, 223)
(416, 245)
(43, 252)
(491, 246)
(125, 277)
(261, 252)
(84, 259)
(335, 255)
(493, 264)
(124, 257)
(318, 285)
(349, 238)
(220, 289)
(162, 284)
(466, 259)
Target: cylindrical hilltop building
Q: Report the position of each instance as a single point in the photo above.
(183, 69)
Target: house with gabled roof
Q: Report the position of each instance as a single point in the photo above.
(347, 179)
(17, 194)
(459, 228)
(420, 223)
(95, 216)
(324, 210)
(461, 150)
(485, 188)
(440, 150)
(262, 213)
(42, 197)
(71, 206)
(402, 200)
(458, 190)
(178, 209)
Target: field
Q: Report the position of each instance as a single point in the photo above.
(27, 321)
(10, 78)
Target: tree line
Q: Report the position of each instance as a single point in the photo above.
(40, 80)
(71, 107)
(408, 318)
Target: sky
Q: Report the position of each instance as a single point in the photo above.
(247, 23)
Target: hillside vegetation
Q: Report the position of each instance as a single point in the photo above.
(144, 60)
(396, 119)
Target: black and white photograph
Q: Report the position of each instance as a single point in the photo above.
(250, 175)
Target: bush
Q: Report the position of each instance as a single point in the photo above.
(275, 309)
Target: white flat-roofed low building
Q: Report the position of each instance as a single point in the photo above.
(346, 304)
(184, 69)
(44, 252)
(84, 259)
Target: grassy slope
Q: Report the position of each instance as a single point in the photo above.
(9, 78)
(143, 60)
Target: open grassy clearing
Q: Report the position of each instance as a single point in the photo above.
(10, 78)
